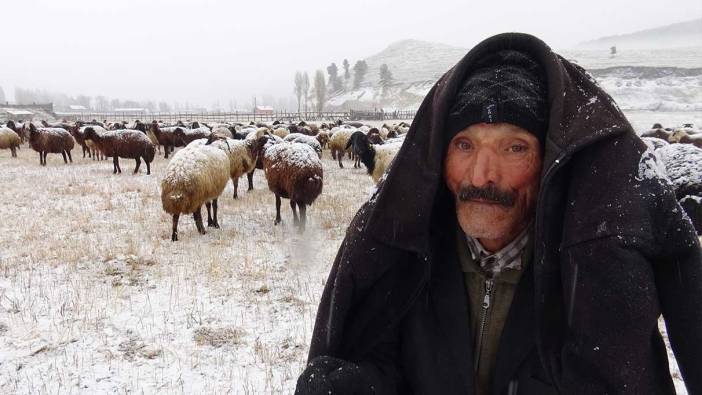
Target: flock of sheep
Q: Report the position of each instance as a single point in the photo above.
(289, 154)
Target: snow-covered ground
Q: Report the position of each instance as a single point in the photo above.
(95, 298)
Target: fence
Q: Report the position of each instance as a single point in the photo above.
(243, 117)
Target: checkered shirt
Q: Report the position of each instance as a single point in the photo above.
(509, 257)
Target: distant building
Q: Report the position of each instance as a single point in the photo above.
(15, 114)
(77, 108)
(264, 110)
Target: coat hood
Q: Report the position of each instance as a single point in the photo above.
(415, 180)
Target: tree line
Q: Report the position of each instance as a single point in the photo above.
(336, 83)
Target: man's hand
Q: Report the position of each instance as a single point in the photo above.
(331, 376)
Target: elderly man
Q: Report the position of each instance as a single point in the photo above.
(523, 242)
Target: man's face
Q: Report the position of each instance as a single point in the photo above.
(493, 171)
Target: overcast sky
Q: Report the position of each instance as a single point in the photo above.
(208, 50)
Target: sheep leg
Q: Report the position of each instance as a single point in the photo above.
(148, 167)
(65, 160)
(296, 220)
(166, 149)
(277, 210)
(210, 223)
(250, 177)
(138, 163)
(235, 181)
(45, 154)
(214, 210)
(114, 165)
(303, 217)
(197, 216)
(69, 156)
(119, 169)
(14, 152)
(174, 234)
(339, 156)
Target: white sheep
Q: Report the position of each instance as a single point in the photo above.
(9, 139)
(242, 154)
(377, 158)
(197, 174)
(338, 141)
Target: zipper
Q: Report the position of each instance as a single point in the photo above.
(484, 316)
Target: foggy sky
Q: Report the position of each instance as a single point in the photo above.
(207, 51)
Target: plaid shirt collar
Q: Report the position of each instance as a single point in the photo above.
(509, 257)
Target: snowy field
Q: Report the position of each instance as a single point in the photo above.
(95, 298)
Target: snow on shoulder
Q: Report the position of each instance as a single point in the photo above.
(683, 164)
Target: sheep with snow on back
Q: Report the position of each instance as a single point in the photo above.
(376, 158)
(305, 139)
(242, 154)
(196, 175)
(51, 140)
(293, 171)
(124, 143)
(9, 140)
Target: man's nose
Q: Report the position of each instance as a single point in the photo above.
(485, 168)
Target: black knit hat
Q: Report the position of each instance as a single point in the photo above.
(507, 86)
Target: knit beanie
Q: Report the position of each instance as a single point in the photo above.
(506, 86)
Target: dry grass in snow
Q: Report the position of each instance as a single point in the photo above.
(94, 297)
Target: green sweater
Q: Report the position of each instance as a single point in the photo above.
(489, 301)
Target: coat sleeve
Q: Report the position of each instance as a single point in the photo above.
(678, 274)
(615, 289)
(352, 281)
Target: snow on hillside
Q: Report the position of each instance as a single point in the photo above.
(652, 79)
(683, 34)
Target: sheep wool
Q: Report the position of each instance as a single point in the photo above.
(9, 139)
(289, 166)
(338, 141)
(305, 139)
(384, 155)
(195, 175)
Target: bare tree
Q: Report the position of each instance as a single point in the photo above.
(299, 88)
(320, 89)
(306, 88)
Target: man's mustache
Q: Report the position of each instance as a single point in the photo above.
(489, 193)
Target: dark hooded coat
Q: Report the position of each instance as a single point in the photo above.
(612, 252)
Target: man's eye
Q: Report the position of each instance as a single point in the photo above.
(463, 145)
(517, 148)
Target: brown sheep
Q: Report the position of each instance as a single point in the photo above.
(165, 137)
(294, 171)
(682, 137)
(184, 136)
(51, 140)
(125, 143)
